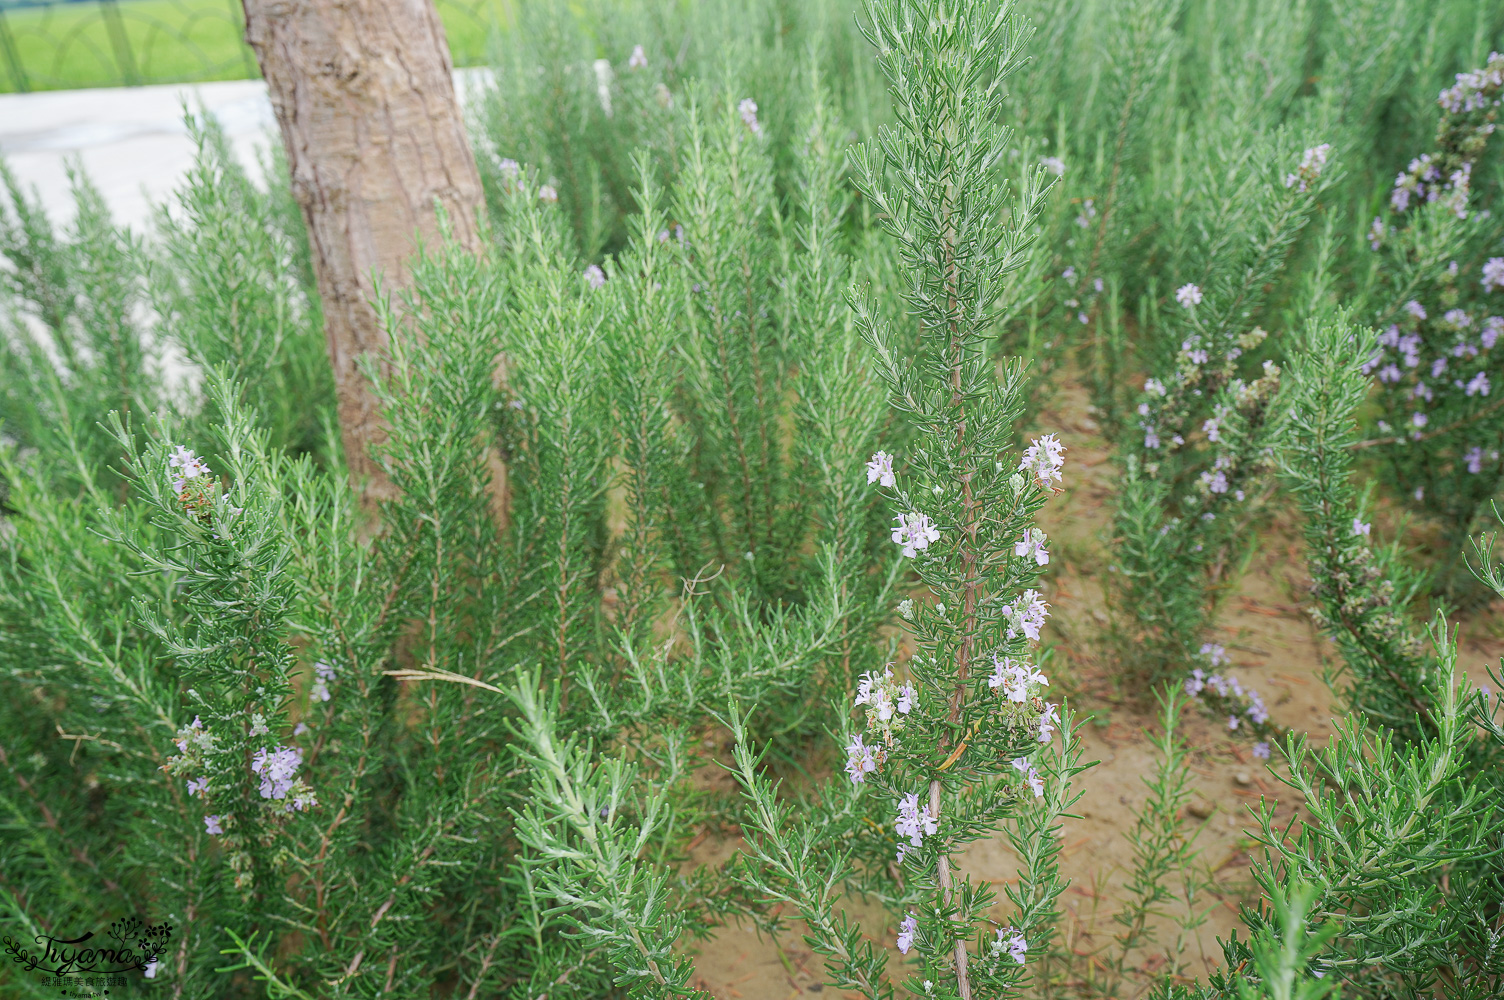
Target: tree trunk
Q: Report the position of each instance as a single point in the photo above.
(364, 95)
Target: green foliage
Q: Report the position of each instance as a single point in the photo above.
(633, 544)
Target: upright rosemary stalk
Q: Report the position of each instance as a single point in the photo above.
(970, 715)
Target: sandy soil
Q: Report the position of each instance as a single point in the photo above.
(1274, 647)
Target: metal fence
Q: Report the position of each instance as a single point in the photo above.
(58, 44)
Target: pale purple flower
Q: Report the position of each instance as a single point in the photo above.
(907, 696)
(870, 690)
(150, 972)
(914, 821)
(1027, 615)
(1199, 356)
(1014, 678)
(1232, 722)
(1215, 654)
(595, 276)
(1013, 942)
(1359, 528)
(1043, 458)
(906, 931)
(880, 470)
(1195, 683)
(1390, 373)
(1474, 459)
(1457, 318)
(1438, 366)
(276, 768)
(748, 110)
(861, 759)
(1493, 274)
(1032, 546)
(548, 194)
(1376, 233)
(1053, 164)
(1047, 722)
(638, 59)
(1419, 419)
(1311, 164)
(300, 729)
(198, 786)
(1154, 387)
(1188, 295)
(1151, 439)
(188, 466)
(211, 825)
(1031, 776)
(1478, 385)
(1415, 309)
(914, 532)
(1492, 327)
(1261, 750)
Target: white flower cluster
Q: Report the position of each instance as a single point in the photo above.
(1014, 678)
(748, 110)
(1311, 165)
(1044, 458)
(880, 470)
(914, 532)
(1032, 546)
(187, 465)
(885, 700)
(1026, 615)
(915, 822)
(1188, 295)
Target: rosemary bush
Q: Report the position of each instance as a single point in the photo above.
(712, 465)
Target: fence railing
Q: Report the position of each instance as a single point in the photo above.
(59, 44)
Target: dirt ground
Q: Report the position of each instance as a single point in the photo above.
(1274, 648)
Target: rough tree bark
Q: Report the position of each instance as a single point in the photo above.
(364, 95)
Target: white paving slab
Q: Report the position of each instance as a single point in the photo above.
(131, 140)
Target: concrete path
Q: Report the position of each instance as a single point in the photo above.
(131, 140)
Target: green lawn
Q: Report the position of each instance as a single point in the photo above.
(167, 41)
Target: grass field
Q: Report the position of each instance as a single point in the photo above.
(69, 45)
